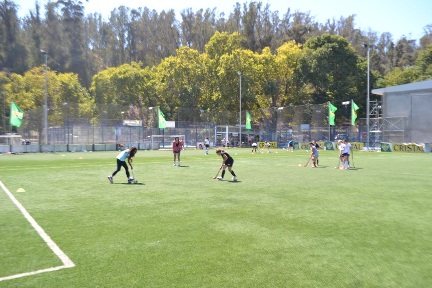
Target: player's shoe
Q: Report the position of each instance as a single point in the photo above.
(110, 178)
(220, 178)
(130, 180)
(234, 178)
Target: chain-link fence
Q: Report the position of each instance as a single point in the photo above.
(71, 123)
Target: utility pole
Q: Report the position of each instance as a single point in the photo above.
(45, 107)
(240, 95)
(367, 46)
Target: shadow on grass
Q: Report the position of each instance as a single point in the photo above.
(229, 181)
(351, 168)
(131, 184)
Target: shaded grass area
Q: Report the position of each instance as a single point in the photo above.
(280, 225)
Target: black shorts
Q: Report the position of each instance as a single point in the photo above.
(229, 162)
(345, 154)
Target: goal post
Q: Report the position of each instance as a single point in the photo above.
(163, 141)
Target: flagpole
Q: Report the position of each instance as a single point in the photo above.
(240, 136)
(328, 113)
(4, 112)
(367, 46)
(352, 114)
(10, 115)
(45, 108)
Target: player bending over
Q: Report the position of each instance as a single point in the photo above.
(227, 161)
(121, 162)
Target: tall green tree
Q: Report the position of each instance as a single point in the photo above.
(73, 28)
(119, 21)
(297, 26)
(216, 87)
(13, 54)
(4, 111)
(167, 34)
(424, 63)
(197, 28)
(287, 61)
(101, 43)
(180, 79)
(146, 39)
(405, 52)
(33, 35)
(250, 23)
(28, 91)
(55, 43)
(384, 50)
(426, 40)
(129, 85)
(331, 69)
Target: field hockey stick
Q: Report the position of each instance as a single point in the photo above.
(307, 163)
(217, 174)
(337, 167)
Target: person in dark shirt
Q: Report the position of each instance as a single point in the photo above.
(227, 161)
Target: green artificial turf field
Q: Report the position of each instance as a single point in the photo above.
(280, 225)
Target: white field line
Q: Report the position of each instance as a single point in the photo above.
(67, 263)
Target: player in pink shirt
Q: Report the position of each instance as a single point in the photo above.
(177, 146)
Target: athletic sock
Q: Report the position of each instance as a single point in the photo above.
(223, 173)
(232, 173)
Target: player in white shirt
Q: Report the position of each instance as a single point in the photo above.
(341, 147)
(346, 154)
(206, 145)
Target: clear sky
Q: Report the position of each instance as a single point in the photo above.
(399, 17)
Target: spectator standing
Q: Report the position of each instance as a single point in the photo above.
(177, 146)
(206, 145)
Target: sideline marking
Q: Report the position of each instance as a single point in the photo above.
(67, 262)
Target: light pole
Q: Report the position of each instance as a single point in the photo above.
(279, 123)
(67, 133)
(4, 112)
(367, 46)
(45, 108)
(240, 136)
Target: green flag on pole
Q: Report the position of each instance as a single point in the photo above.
(248, 121)
(332, 115)
(16, 115)
(162, 121)
(354, 109)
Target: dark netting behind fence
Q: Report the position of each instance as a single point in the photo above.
(299, 123)
(73, 123)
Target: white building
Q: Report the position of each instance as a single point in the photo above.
(406, 113)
